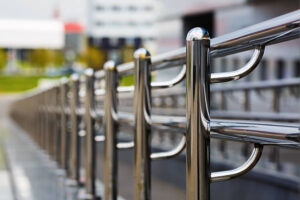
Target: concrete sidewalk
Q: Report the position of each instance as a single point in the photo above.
(7, 190)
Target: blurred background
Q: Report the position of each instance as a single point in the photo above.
(47, 39)
(44, 40)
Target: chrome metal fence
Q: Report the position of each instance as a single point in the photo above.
(87, 106)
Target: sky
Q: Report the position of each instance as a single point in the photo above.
(69, 10)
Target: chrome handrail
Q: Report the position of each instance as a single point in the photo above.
(60, 103)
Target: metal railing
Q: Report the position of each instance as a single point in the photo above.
(57, 120)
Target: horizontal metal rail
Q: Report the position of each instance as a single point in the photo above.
(258, 85)
(237, 41)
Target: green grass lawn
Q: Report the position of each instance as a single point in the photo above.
(127, 80)
(18, 83)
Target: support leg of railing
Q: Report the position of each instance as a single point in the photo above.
(58, 126)
(110, 145)
(74, 140)
(46, 142)
(197, 114)
(53, 123)
(142, 114)
(63, 124)
(42, 120)
(90, 146)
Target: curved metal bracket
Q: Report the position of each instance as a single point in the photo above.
(99, 92)
(167, 84)
(125, 145)
(240, 73)
(82, 93)
(159, 85)
(243, 169)
(122, 89)
(99, 138)
(172, 153)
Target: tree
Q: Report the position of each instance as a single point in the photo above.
(3, 59)
(93, 57)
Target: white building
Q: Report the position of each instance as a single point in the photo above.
(112, 23)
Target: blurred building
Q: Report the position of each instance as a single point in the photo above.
(115, 24)
(74, 40)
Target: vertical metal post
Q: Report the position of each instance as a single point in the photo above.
(58, 125)
(63, 124)
(74, 137)
(197, 114)
(42, 119)
(90, 162)
(46, 131)
(142, 114)
(110, 149)
(53, 125)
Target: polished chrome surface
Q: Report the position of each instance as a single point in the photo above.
(243, 169)
(142, 120)
(171, 83)
(90, 159)
(122, 89)
(159, 85)
(125, 145)
(63, 124)
(283, 135)
(110, 144)
(263, 133)
(258, 85)
(56, 124)
(197, 115)
(240, 73)
(99, 138)
(172, 153)
(74, 161)
(256, 34)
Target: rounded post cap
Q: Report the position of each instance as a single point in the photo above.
(89, 72)
(75, 77)
(141, 53)
(64, 80)
(197, 34)
(110, 65)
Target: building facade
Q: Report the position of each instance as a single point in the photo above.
(116, 24)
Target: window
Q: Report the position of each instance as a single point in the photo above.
(132, 8)
(100, 23)
(236, 63)
(99, 8)
(116, 23)
(148, 8)
(116, 8)
(280, 69)
(263, 70)
(224, 64)
(148, 24)
(297, 68)
(132, 23)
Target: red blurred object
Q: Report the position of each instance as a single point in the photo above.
(73, 27)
